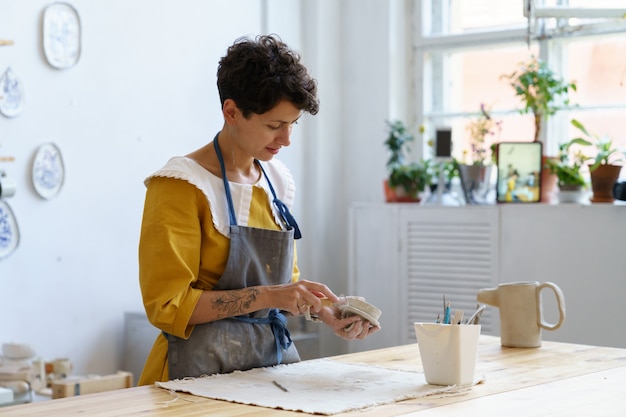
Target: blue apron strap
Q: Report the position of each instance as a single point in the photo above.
(285, 214)
(283, 210)
(278, 322)
(231, 207)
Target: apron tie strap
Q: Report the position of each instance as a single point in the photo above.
(283, 210)
(278, 322)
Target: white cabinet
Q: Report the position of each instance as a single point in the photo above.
(405, 257)
(581, 248)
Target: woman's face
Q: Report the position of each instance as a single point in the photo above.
(262, 135)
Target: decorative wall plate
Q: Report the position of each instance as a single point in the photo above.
(48, 170)
(61, 35)
(9, 233)
(11, 94)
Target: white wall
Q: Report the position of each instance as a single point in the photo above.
(347, 156)
(143, 91)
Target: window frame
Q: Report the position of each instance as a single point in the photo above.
(430, 77)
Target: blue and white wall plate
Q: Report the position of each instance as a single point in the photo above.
(61, 35)
(9, 232)
(48, 170)
(11, 94)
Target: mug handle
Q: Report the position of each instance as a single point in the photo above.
(560, 300)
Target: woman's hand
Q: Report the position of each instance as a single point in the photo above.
(294, 298)
(297, 297)
(350, 328)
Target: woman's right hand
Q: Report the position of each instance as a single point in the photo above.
(297, 297)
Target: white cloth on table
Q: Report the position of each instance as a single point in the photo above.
(320, 386)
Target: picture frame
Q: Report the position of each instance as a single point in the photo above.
(519, 172)
(443, 144)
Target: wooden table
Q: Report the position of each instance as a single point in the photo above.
(557, 379)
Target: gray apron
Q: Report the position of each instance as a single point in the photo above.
(256, 257)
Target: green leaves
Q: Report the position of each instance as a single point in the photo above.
(606, 153)
(569, 162)
(412, 177)
(397, 142)
(539, 88)
(571, 158)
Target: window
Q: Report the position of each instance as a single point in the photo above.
(463, 48)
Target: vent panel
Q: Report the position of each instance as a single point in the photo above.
(455, 258)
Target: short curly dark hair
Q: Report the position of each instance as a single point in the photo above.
(257, 74)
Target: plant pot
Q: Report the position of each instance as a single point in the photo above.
(398, 195)
(603, 178)
(571, 194)
(549, 181)
(476, 182)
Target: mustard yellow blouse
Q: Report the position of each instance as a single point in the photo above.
(181, 253)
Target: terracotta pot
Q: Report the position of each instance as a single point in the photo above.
(603, 178)
(397, 195)
(548, 181)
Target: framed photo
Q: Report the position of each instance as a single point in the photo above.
(519, 172)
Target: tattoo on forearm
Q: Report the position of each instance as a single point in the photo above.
(234, 303)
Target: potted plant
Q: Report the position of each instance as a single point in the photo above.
(540, 89)
(447, 170)
(405, 181)
(605, 169)
(543, 93)
(567, 168)
(475, 175)
(483, 130)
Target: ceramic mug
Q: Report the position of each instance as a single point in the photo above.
(62, 367)
(521, 311)
(448, 352)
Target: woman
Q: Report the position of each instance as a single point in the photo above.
(217, 262)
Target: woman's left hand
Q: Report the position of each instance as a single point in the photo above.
(350, 328)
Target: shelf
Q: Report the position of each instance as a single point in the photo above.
(5, 42)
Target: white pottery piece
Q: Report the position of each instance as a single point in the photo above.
(61, 35)
(360, 308)
(11, 94)
(521, 311)
(48, 170)
(565, 196)
(448, 352)
(9, 232)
